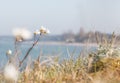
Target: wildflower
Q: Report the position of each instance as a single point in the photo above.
(22, 34)
(44, 30)
(9, 52)
(10, 72)
(47, 31)
(37, 32)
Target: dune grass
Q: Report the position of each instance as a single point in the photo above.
(100, 66)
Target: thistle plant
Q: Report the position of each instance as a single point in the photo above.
(42, 31)
(21, 35)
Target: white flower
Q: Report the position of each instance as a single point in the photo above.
(9, 52)
(10, 72)
(22, 34)
(47, 31)
(44, 30)
(37, 32)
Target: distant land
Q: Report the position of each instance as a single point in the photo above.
(80, 37)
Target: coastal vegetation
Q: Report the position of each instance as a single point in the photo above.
(99, 66)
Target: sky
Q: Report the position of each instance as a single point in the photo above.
(60, 16)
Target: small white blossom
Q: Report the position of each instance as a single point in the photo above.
(47, 31)
(22, 34)
(44, 30)
(9, 52)
(10, 72)
(37, 32)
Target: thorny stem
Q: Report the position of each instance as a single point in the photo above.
(15, 45)
(29, 50)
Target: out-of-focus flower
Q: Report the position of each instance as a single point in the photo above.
(11, 72)
(9, 52)
(47, 31)
(44, 30)
(22, 34)
(37, 32)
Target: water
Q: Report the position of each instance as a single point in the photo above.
(60, 50)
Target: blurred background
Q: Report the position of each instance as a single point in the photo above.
(60, 16)
(72, 23)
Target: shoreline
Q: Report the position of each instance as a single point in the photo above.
(63, 43)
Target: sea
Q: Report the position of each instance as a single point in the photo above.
(44, 49)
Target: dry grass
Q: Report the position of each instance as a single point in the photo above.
(101, 66)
